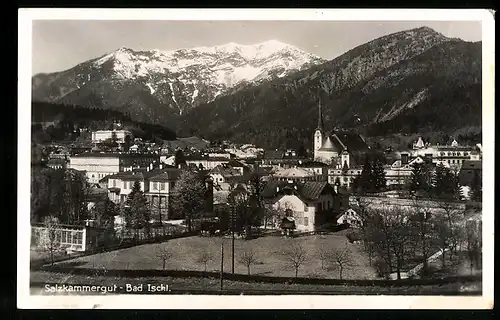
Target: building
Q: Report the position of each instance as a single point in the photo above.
(119, 135)
(99, 165)
(336, 147)
(57, 163)
(298, 175)
(282, 158)
(470, 169)
(312, 204)
(351, 218)
(222, 175)
(452, 155)
(157, 185)
(206, 162)
(68, 237)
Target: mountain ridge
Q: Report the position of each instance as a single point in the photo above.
(173, 80)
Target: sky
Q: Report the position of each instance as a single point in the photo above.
(61, 44)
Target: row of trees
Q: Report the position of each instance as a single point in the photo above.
(426, 180)
(398, 237)
(295, 256)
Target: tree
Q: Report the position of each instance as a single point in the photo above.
(50, 239)
(474, 242)
(179, 158)
(445, 184)
(419, 178)
(295, 256)
(204, 257)
(189, 196)
(342, 259)
(164, 254)
(378, 175)
(137, 211)
(248, 258)
(391, 234)
(365, 182)
(421, 224)
(324, 257)
(476, 188)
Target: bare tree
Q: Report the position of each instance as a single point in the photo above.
(342, 260)
(421, 222)
(392, 237)
(367, 233)
(296, 255)
(474, 242)
(50, 237)
(324, 257)
(204, 257)
(248, 258)
(164, 254)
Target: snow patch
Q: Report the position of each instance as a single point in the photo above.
(150, 88)
(195, 94)
(395, 110)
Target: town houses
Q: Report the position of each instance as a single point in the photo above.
(308, 189)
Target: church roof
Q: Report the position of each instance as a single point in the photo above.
(328, 145)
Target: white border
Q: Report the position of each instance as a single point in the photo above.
(25, 301)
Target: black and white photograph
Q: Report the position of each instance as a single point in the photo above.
(281, 158)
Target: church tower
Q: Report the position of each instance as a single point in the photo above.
(318, 134)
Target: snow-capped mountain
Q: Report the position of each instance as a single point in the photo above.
(146, 82)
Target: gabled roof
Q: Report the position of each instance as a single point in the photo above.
(294, 173)
(274, 154)
(310, 190)
(225, 171)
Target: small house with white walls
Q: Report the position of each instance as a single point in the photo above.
(312, 204)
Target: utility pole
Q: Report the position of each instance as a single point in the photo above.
(232, 242)
(221, 266)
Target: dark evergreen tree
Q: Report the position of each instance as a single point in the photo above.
(179, 158)
(419, 179)
(137, 214)
(476, 188)
(378, 175)
(446, 184)
(365, 182)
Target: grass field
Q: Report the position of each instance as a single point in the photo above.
(268, 250)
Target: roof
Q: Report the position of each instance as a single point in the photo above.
(329, 146)
(165, 174)
(274, 154)
(205, 158)
(310, 190)
(472, 165)
(313, 164)
(225, 171)
(56, 161)
(294, 172)
(114, 155)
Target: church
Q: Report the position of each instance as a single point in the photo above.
(336, 147)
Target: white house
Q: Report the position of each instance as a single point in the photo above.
(101, 135)
(351, 218)
(312, 204)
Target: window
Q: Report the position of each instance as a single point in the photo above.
(306, 221)
(77, 237)
(155, 185)
(162, 186)
(306, 208)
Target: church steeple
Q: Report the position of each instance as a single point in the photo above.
(320, 117)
